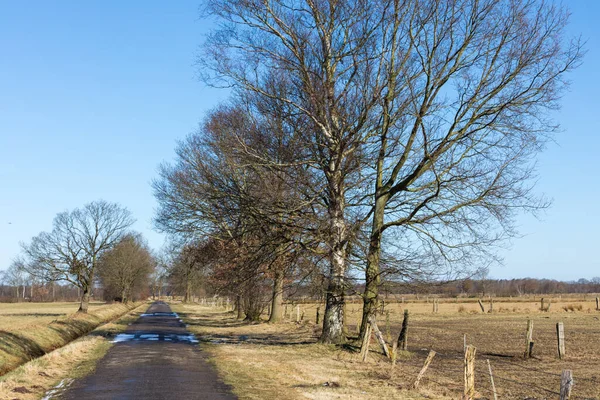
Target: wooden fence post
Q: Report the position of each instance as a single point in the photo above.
(364, 348)
(491, 305)
(529, 340)
(464, 343)
(379, 336)
(403, 337)
(560, 336)
(388, 332)
(297, 312)
(481, 305)
(424, 369)
(542, 306)
(597, 303)
(492, 380)
(470, 372)
(318, 315)
(566, 384)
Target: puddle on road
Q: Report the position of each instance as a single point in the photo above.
(58, 389)
(156, 337)
(160, 314)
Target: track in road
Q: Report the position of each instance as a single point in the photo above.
(156, 358)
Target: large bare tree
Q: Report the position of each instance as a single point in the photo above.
(316, 58)
(71, 250)
(465, 107)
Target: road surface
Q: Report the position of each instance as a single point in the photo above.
(156, 358)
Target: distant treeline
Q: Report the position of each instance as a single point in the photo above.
(496, 287)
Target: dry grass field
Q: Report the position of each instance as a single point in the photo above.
(18, 316)
(262, 361)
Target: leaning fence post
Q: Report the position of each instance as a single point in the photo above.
(492, 380)
(403, 337)
(529, 340)
(424, 369)
(379, 336)
(364, 348)
(566, 384)
(470, 372)
(481, 306)
(560, 335)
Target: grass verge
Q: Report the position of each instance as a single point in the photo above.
(18, 347)
(268, 362)
(74, 360)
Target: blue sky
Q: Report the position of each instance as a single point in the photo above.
(94, 95)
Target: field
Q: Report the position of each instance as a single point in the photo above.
(262, 361)
(18, 316)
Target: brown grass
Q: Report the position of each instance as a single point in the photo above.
(76, 359)
(26, 335)
(264, 361)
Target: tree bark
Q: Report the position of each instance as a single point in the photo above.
(333, 319)
(85, 300)
(373, 280)
(238, 306)
(277, 299)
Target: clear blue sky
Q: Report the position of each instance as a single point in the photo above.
(94, 94)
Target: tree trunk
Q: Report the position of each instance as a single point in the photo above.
(333, 319)
(238, 306)
(123, 296)
(188, 290)
(277, 299)
(372, 275)
(85, 301)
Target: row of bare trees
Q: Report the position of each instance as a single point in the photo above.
(386, 139)
(88, 245)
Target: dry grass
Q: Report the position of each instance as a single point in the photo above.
(263, 361)
(18, 316)
(26, 335)
(76, 359)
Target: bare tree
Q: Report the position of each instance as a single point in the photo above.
(71, 250)
(468, 87)
(125, 269)
(315, 58)
(15, 276)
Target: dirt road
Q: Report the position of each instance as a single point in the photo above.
(156, 358)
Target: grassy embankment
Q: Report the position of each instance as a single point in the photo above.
(30, 330)
(262, 361)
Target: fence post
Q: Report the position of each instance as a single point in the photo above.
(297, 312)
(403, 337)
(318, 314)
(492, 380)
(542, 306)
(481, 305)
(560, 335)
(529, 340)
(364, 348)
(597, 303)
(491, 305)
(566, 384)
(424, 369)
(379, 336)
(388, 332)
(470, 372)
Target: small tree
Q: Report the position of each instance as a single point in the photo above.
(70, 252)
(124, 270)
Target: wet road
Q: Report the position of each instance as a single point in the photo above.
(156, 358)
